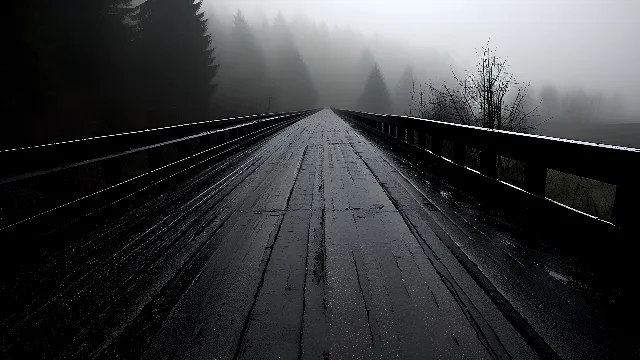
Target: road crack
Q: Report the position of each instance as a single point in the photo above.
(268, 253)
(366, 306)
(401, 275)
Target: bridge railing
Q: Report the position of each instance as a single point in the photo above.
(38, 179)
(610, 164)
(38, 158)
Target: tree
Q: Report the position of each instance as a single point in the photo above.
(65, 67)
(375, 96)
(550, 105)
(481, 98)
(578, 106)
(219, 36)
(426, 103)
(177, 61)
(243, 80)
(363, 69)
(290, 76)
(402, 96)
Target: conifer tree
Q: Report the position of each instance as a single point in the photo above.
(291, 80)
(176, 59)
(363, 68)
(375, 96)
(243, 78)
(402, 96)
(65, 68)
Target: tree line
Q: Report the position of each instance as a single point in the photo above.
(80, 68)
(261, 71)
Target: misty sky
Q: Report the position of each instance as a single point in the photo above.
(569, 43)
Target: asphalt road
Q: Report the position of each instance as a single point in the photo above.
(313, 244)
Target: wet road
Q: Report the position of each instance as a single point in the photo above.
(315, 260)
(310, 245)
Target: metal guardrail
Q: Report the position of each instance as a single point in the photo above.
(611, 164)
(39, 179)
(19, 162)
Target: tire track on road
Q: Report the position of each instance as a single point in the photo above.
(269, 250)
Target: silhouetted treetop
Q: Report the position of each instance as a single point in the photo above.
(179, 66)
(291, 84)
(243, 78)
(402, 95)
(375, 96)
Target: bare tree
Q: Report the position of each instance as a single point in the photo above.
(272, 92)
(488, 97)
(418, 104)
(427, 103)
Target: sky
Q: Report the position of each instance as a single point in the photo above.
(593, 44)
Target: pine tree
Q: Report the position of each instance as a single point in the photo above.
(291, 80)
(176, 59)
(402, 96)
(375, 96)
(219, 36)
(361, 73)
(65, 68)
(243, 80)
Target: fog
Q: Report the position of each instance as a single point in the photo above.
(571, 44)
(87, 68)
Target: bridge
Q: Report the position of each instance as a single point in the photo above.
(319, 234)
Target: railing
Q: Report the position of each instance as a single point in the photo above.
(611, 164)
(39, 179)
(20, 162)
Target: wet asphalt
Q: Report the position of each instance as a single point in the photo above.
(314, 244)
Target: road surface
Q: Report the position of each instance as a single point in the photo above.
(313, 244)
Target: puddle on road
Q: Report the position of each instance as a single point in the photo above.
(557, 276)
(447, 195)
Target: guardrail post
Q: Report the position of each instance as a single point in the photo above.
(393, 130)
(436, 145)
(410, 136)
(183, 149)
(625, 205)
(205, 142)
(154, 158)
(488, 163)
(215, 139)
(402, 133)
(422, 140)
(535, 178)
(113, 170)
(459, 153)
(227, 136)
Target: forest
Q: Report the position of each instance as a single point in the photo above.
(86, 68)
